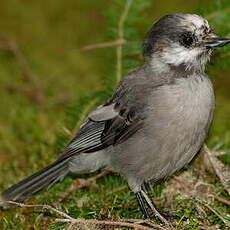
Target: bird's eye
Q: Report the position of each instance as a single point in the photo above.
(187, 39)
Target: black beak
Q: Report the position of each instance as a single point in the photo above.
(214, 41)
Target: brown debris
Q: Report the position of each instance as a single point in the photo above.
(119, 189)
(222, 200)
(221, 170)
(81, 183)
(130, 223)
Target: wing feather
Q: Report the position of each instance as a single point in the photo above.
(115, 121)
(97, 135)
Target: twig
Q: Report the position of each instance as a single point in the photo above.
(136, 224)
(205, 227)
(12, 46)
(183, 182)
(44, 206)
(70, 227)
(213, 211)
(99, 175)
(225, 55)
(77, 184)
(119, 189)
(82, 183)
(220, 199)
(121, 37)
(216, 13)
(36, 93)
(218, 154)
(107, 223)
(104, 45)
(221, 170)
(216, 213)
(84, 113)
(200, 210)
(148, 222)
(68, 132)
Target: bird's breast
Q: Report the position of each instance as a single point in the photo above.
(179, 118)
(186, 103)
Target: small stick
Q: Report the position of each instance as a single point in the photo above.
(140, 221)
(119, 189)
(182, 182)
(106, 222)
(213, 211)
(87, 183)
(68, 132)
(216, 13)
(36, 92)
(222, 200)
(225, 55)
(120, 29)
(44, 206)
(221, 170)
(99, 175)
(104, 45)
(135, 223)
(12, 46)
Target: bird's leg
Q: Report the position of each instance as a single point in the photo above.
(166, 214)
(146, 188)
(141, 202)
(153, 209)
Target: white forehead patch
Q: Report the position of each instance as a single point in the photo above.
(196, 20)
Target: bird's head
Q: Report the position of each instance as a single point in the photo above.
(180, 41)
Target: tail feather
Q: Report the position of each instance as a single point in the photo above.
(41, 180)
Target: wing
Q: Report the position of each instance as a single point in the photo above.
(102, 129)
(115, 121)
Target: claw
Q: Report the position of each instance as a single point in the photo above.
(148, 209)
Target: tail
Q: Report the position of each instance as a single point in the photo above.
(41, 180)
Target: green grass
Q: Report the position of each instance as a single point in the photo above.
(50, 35)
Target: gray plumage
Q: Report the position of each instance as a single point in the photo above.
(157, 119)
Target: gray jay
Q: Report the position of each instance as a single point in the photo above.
(155, 122)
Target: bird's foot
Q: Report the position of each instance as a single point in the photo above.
(169, 215)
(148, 209)
(161, 217)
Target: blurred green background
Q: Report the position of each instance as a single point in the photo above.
(50, 35)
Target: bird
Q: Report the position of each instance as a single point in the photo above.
(155, 122)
